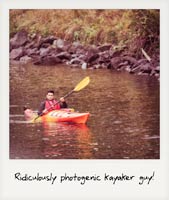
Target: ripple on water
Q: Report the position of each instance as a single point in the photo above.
(124, 122)
(148, 137)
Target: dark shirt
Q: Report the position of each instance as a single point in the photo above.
(42, 106)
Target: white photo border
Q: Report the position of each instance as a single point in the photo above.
(11, 189)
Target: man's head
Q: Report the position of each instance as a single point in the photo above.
(50, 95)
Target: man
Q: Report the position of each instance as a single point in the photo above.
(51, 104)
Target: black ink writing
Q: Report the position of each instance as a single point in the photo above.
(81, 179)
(146, 178)
(122, 177)
(37, 177)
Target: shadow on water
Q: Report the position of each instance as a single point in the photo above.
(124, 121)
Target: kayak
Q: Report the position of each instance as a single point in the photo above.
(62, 115)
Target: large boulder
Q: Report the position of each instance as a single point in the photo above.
(92, 58)
(115, 62)
(48, 60)
(92, 54)
(18, 40)
(15, 54)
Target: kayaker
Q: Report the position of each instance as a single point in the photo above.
(51, 104)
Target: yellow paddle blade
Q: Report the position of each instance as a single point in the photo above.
(82, 84)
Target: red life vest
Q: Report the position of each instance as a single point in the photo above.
(52, 105)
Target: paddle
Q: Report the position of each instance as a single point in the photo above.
(82, 84)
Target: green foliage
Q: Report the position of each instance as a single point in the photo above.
(134, 28)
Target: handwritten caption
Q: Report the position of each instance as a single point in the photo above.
(82, 180)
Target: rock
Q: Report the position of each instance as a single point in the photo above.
(146, 68)
(104, 47)
(36, 60)
(80, 51)
(19, 39)
(104, 57)
(92, 58)
(64, 56)
(135, 69)
(48, 60)
(157, 75)
(14, 62)
(46, 42)
(58, 43)
(43, 51)
(31, 52)
(123, 66)
(84, 66)
(49, 40)
(142, 61)
(92, 54)
(128, 69)
(115, 62)
(76, 44)
(76, 49)
(76, 61)
(92, 50)
(15, 54)
(115, 53)
(45, 45)
(130, 59)
(30, 45)
(142, 73)
(25, 59)
(157, 69)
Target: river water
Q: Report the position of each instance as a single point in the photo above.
(124, 120)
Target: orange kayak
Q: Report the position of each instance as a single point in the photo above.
(63, 115)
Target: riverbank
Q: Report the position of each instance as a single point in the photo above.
(50, 50)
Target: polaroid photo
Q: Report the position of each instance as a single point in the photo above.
(84, 95)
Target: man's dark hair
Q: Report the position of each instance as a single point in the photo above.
(26, 107)
(50, 91)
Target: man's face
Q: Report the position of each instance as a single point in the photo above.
(50, 96)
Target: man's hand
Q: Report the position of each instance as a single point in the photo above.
(62, 99)
(44, 111)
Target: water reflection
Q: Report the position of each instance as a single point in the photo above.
(62, 140)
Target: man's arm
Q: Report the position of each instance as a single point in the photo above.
(63, 104)
(41, 108)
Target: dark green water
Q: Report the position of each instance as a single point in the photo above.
(124, 121)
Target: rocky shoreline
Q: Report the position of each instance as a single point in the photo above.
(25, 48)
